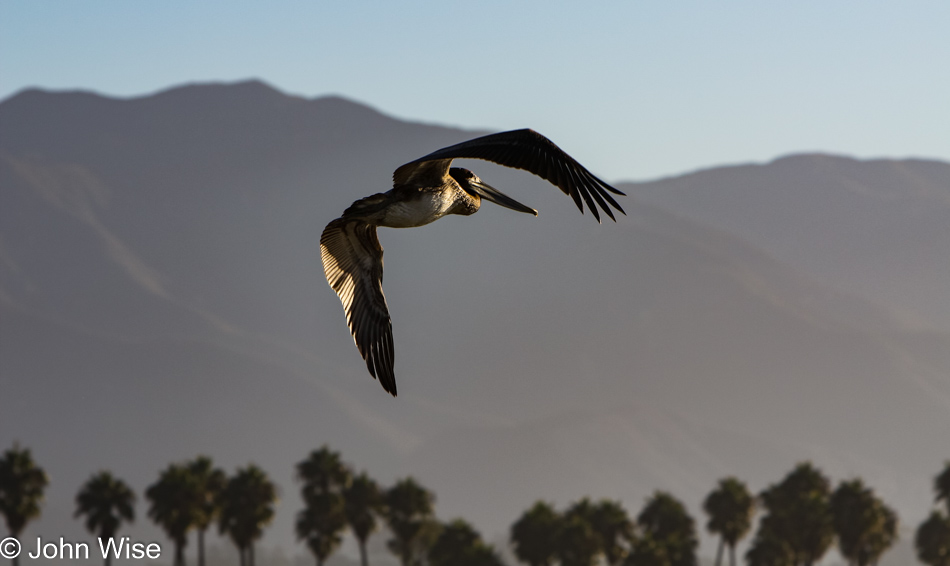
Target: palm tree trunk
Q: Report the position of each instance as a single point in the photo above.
(201, 547)
(250, 554)
(722, 543)
(364, 560)
(732, 554)
(108, 559)
(242, 553)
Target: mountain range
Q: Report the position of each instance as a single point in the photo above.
(162, 296)
(877, 228)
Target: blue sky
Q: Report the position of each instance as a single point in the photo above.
(633, 89)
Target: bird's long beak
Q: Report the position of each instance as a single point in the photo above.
(491, 193)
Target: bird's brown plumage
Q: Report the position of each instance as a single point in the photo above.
(520, 149)
(353, 263)
(423, 191)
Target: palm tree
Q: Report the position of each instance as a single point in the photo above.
(882, 538)
(613, 525)
(172, 506)
(320, 524)
(769, 550)
(665, 520)
(933, 535)
(247, 506)
(362, 504)
(22, 483)
(864, 525)
(942, 485)
(798, 513)
(610, 527)
(106, 502)
(410, 518)
(534, 535)
(933, 540)
(322, 472)
(730, 508)
(458, 544)
(645, 551)
(207, 482)
(578, 544)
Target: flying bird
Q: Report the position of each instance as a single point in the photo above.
(423, 191)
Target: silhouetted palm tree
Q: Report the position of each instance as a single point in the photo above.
(864, 525)
(611, 527)
(323, 472)
(798, 513)
(578, 544)
(247, 506)
(768, 550)
(730, 508)
(933, 535)
(207, 482)
(933, 540)
(22, 483)
(665, 520)
(534, 535)
(363, 503)
(106, 502)
(645, 551)
(942, 485)
(320, 524)
(616, 531)
(459, 544)
(408, 508)
(172, 506)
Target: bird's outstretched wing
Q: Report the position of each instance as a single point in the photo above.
(353, 263)
(524, 149)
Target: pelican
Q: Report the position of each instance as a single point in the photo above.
(423, 191)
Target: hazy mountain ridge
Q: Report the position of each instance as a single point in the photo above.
(878, 227)
(164, 249)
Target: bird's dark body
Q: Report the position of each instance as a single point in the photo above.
(423, 191)
(408, 206)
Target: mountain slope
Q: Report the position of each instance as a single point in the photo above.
(162, 295)
(880, 228)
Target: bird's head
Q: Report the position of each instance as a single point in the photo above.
(474, 186)
(463, 175)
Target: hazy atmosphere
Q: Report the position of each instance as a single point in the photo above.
(634, 90)
(777, 292)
